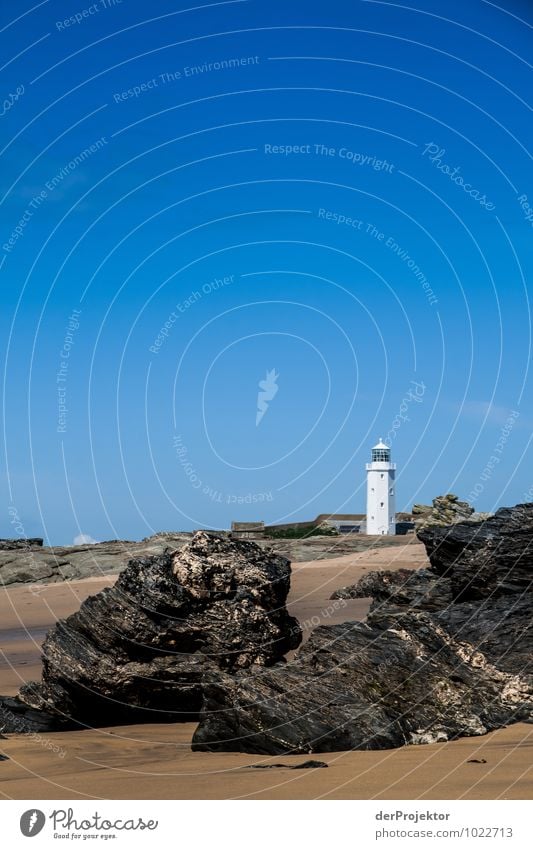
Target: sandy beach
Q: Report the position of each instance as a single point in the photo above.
(155, 761)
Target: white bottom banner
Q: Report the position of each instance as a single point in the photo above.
(251, 824)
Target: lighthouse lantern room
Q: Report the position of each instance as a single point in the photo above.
(380, 492)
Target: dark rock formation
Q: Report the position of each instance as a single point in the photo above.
(400, 589)
(487, 559)
(140, 650)
(404, 527)
(446, 652)
(20, 543)
(374, 584)
(359, 686)
(17, 718)
(503, 631)
(304, 765)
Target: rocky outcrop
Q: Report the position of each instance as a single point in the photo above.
(446, 651)
(17, 718)
(376, 585)
(364, 686)
(322, 548)
(487, 559)
(20, 543)
(444, 510)
(141, 649)
(400, 590)
(36, 564)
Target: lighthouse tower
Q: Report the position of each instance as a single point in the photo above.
(380, 492)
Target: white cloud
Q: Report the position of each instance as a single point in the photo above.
(83, 539)
(486, 411)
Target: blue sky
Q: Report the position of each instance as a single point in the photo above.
(192, 198)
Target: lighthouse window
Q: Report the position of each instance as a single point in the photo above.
(380, 455)
(391, 491)
(381, 504)
(382, 476)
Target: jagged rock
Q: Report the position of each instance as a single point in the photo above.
(380, 585)
(361, 686)
(445, 510)
(20, 543)
(37, 565)
(502, 631)
(446, 651)
(18, 718)
(486, 559)
(403, 588)
(141, 649)
(470, 563)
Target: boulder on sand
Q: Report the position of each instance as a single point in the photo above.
(446, 652)
(140, 650)
(363, 686)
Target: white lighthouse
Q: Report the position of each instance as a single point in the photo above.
(380, 492)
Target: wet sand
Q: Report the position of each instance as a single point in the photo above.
(155, 761)
(27, 612)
